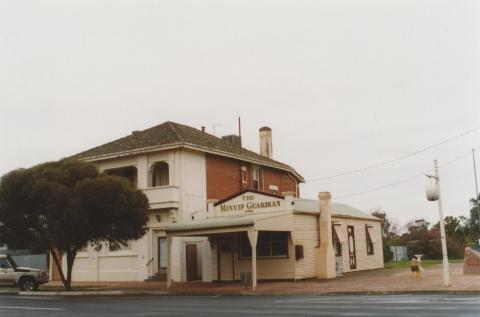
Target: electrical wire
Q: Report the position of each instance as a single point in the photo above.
(358, 170)
(403, 180)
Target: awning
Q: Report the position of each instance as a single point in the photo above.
(372, 234)
(341, 234)
(278, 221)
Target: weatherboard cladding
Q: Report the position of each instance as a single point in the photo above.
(174, 134)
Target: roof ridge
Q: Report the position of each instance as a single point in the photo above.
(172, 126)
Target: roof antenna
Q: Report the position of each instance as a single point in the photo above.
(215, 125)
(240, 134)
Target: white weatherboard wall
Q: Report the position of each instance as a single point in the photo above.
(364, 261)
(306, 233)
(193, 184)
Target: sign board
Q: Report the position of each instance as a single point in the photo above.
(250, 202)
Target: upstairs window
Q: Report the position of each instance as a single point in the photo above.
(256, 178)
(273, 189)
(159, 174)
(244, 175)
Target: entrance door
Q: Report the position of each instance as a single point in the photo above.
(191, 259)
(351, 248)
(225, 260)
(162, 258)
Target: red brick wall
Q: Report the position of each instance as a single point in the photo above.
(224, 177)
(281, 179)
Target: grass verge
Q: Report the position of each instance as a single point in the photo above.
(425, 263)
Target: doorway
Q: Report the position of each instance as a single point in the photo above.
(162, 258)
(225, 260)
(192, 262)
(351, 247)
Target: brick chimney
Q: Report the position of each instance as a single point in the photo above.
(266, 142)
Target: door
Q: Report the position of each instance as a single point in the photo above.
(162, 258)
(225, 248)
(191, 259)
(351, 248)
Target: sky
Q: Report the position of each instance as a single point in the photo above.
(342, 84)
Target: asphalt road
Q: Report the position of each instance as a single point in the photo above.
(174, 305)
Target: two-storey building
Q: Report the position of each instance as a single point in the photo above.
(191, 179)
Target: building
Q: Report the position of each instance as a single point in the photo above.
(211, 201)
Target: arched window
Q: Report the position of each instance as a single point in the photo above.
(159, 175)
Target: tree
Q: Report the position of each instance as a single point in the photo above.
(389, 233)
(473, 223)
(389, 228)
(65, 205)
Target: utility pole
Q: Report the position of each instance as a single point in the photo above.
(438, 196)
(446, 270)
(476, 190)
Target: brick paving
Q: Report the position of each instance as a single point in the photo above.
(375, 281)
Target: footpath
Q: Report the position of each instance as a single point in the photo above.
(382, 281)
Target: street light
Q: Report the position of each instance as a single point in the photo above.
(433, 194)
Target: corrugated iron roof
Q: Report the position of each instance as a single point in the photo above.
(312, 205)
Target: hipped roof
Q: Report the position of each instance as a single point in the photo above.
(170, 134)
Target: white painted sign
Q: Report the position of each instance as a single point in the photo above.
(250, 202)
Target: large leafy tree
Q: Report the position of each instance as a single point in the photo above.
(65, 205)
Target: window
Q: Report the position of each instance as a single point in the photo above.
(159, 174)
(369, 241)
(256, 178)
(337, 245)
(4, 263)
(244, 175)
(273, 189)
(269, 244)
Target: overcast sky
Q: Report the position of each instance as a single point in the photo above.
(343, 85)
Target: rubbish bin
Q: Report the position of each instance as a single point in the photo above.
(246, 278)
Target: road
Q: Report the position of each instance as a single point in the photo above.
(177, 305)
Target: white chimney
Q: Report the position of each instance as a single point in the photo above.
(266, 142)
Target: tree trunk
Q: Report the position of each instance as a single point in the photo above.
(70, 259)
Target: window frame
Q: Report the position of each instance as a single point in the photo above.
(152, 176)
(243, 241)
(256, 178)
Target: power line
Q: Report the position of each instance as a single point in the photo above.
(403, 180)
(358, 170)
